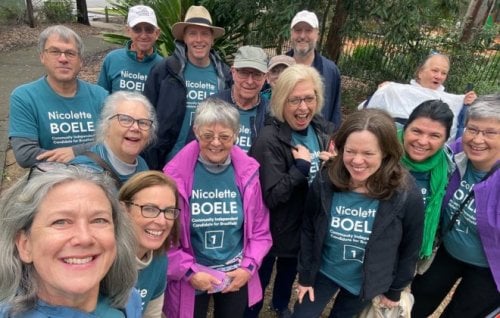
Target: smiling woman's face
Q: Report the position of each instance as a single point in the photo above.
(71, 244)
(483, 151)
(423, 138)
(128, 142)
(216, 142)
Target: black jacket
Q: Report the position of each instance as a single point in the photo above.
(284, 187)
(166, 90)
(392, 250)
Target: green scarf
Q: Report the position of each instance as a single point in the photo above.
(437, 164)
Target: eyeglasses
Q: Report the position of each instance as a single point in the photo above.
(488, 134)
(151, 211)
(211, 137)
(296, 101)
(69, 54)
(148, 29)
(127, 121)
(245, 74)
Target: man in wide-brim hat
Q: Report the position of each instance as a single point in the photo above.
(175, 86)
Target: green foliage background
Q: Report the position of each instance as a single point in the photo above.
(397, 35)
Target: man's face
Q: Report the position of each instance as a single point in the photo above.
(199, 41)
(304, 38)
(143, 36)
(62, 68)
(274, 73)
(247, 82)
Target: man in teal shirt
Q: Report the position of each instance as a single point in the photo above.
(54, 118)
(127, 68)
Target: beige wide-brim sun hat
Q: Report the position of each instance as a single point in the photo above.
(196, 15)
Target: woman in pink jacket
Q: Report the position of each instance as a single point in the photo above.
(224, 222)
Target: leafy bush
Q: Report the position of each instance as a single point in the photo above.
(58, 11)
(11, 11)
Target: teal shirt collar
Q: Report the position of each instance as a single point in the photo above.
(133, 54)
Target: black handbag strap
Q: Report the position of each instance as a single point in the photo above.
(467, 200)
(103, 164)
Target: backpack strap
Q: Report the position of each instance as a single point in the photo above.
(103, 164)
(468, 198)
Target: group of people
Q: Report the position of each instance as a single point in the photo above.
(179, 181)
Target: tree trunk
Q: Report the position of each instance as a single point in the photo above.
(476, 16)
(29, 11)
(334, 39)
(82, 13)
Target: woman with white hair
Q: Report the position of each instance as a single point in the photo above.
(127, 125)
(224, 221)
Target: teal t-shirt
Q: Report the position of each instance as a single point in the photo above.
(121, 71)
(152, 281)
(247, 118)
(216, 219)
(102, 152)
(201, 83)
(103, 309)
(38, 113)
(310, 141)
(463, 241)
(423, 180)
(350, 225)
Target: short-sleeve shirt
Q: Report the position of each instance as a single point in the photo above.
(38, 113)
(122, 71)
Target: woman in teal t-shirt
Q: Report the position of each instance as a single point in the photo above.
(150, 198)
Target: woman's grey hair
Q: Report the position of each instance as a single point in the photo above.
(18, 208)
(64, 33)
(109, 109)
(213, 111)
(287, 81)
(485, 107)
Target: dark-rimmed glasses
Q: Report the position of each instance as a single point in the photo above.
(127, 121)
(56, 53)
(151, 211)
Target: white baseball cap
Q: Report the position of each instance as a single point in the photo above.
(140, 13)
(307, 17)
